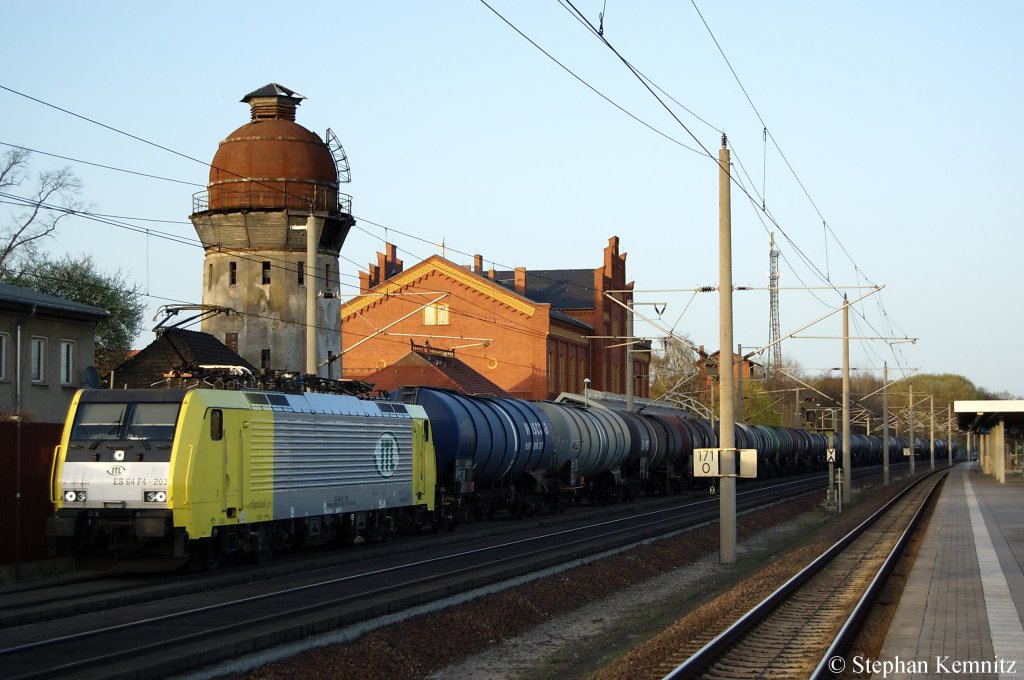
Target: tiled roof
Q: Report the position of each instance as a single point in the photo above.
(177, 349)
(26, 298)
(431, 368)
(561, 288)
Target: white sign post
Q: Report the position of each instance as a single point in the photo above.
(709, 462)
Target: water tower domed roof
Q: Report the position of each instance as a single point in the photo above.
(272, 162)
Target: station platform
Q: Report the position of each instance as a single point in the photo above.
(961, 610)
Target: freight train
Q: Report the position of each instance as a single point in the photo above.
(193, 475)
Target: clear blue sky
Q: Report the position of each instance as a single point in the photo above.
(901, 120)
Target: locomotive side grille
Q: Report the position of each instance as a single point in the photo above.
(325, 465)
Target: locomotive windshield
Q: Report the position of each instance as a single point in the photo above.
(150, 421)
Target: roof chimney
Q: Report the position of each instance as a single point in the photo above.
(478, 264)
(521, 280)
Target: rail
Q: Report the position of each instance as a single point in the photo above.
(705, 656)
(271, 198)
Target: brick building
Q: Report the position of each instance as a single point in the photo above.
(535, 334)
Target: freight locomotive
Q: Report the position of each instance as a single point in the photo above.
(198, 474)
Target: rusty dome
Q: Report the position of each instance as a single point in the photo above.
(272, 162)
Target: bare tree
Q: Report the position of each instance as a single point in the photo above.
(35, 216)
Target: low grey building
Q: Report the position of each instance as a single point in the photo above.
(47, 344)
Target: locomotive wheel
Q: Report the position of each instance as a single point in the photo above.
(262, 554)
(205, 555)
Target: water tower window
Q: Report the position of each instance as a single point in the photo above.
(266, 273)
(327, 276)
(302, 273)
(265, 358)
(232, 273)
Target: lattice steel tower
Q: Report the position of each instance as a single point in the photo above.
(775, 352)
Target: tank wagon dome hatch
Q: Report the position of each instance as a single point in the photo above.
(272, 163)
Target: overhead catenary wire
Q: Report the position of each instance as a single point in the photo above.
(567, 4)
(384, 227)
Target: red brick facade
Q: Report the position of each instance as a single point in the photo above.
(535, 334)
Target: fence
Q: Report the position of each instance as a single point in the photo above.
(26, 457)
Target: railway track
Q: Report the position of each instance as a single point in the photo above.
(811, 619)
(173, 627)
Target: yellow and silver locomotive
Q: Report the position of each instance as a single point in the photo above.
(203, 473)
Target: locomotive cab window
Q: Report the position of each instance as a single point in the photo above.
(216, 424)
(121, 421)
(153, 421)
(95, 422)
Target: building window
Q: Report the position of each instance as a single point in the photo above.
(67, 362)
(327, 276)
(435, 315)
(302, 273)
(231, 340)
(209, 276)
(4, 343)
(266, 273)
(38, 359)
(232, 273)
(265, 358)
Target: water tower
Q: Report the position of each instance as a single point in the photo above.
(266, 180)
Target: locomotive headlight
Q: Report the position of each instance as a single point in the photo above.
(155, 496)
(74, 496)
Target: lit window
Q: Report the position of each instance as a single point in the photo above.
(435, 315)
(38, 366)
(67, 362)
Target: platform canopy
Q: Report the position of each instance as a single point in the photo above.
(974, 416)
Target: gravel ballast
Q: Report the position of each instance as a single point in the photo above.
(620, 617)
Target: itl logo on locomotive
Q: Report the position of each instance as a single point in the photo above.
(385, 455)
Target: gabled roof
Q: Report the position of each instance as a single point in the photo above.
(561, 288)
(24, 300)
(177, 349)
(428, 367)
(438, 264)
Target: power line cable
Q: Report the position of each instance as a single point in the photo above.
(585, 83)
(101, 165)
